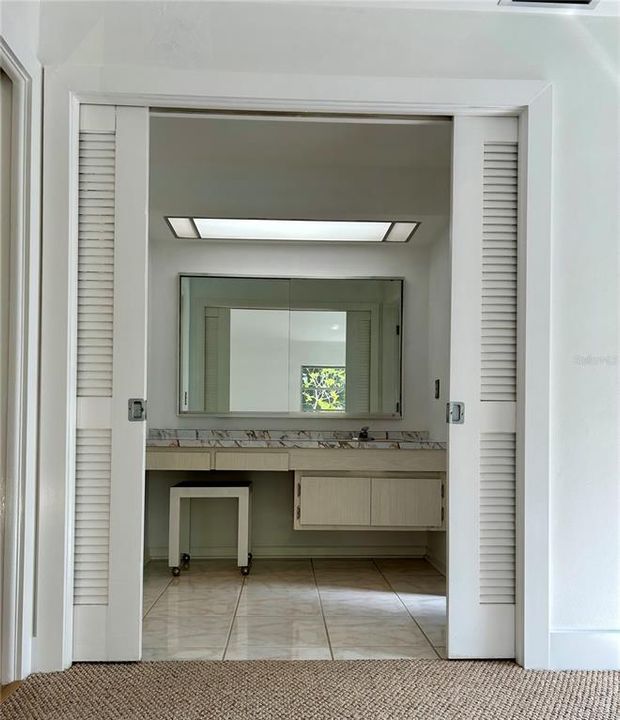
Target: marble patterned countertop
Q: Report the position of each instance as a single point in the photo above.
(302, 439)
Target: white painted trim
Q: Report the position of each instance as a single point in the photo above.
(166, 87)
(584, 650)
(18, 550)
(533, 383)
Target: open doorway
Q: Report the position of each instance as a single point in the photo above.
(342, 482)
(312, 592)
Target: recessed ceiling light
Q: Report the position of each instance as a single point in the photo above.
(291, 230)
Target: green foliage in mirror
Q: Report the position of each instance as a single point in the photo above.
(323, 389)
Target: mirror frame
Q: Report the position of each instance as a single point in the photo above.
(326, 415)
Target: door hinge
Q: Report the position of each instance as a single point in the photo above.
(397, 407)
(298, 514)
(443, 491)
(442, 515)
(136, 409)
(298, 489)
(455, 413)
(398, 329)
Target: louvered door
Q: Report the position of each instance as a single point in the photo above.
(483, 372)
(110, 369)
(358, 367)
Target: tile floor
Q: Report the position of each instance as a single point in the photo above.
(295, 609)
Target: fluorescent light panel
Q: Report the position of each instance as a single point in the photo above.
(291, 230)
(183, 227)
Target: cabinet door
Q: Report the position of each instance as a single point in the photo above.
(334, 500)
(406, 502)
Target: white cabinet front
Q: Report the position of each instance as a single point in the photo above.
(406, 502)
(342, 500)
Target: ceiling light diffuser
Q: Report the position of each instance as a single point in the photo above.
(291, 230)
(183, 227)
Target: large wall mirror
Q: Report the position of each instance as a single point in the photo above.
(290, 346)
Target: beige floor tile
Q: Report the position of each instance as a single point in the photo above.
(167, 607)
(172, 653)
(342, 563)
(258, 589)
(278, 653)
(277, 632)
(435, 632)
(281, 567)
(414, 651)
(369, 632)
(378, 611)
(406, 566)
(185, 632)
(432, 607)
(424, 585)
(278, 606)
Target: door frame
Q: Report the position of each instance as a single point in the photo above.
(338, 96)
(18, 544)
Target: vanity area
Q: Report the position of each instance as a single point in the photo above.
(394, 482)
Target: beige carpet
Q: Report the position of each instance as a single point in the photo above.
(315, 690)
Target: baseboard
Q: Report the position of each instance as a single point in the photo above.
(436, 562)
(317, 551)
(584, 650)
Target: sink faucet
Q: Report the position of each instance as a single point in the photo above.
(363, 433)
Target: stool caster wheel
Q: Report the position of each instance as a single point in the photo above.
(245, 570)
(185, 558)
(175, 571)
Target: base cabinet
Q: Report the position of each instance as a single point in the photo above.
(342, 501)
(406, 502)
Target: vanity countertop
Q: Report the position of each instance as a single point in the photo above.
(302, 439)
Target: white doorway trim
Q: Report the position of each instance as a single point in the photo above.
(66, 87)
(19, 527)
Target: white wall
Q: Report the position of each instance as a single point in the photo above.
(305, 44)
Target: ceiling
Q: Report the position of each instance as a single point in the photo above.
(304, 169)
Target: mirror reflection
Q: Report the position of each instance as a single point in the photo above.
(297, 346)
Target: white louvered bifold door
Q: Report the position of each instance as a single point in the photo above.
(110, 369)
(358, 361)
(483, 372)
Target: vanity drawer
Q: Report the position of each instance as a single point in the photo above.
(263, 460)
(175, 459)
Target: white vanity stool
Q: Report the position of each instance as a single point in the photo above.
(178, 536)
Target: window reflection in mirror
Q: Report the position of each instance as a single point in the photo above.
(279, 346)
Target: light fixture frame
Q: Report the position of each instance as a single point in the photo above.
(384, 239)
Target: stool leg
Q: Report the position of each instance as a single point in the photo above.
(184, 529)
(243, 530)
(174, 532)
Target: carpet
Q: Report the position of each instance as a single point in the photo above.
(314, 690)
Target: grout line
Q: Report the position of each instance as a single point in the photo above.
(152, 605)
(329, 640)
(234, 616)
(428, 640)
